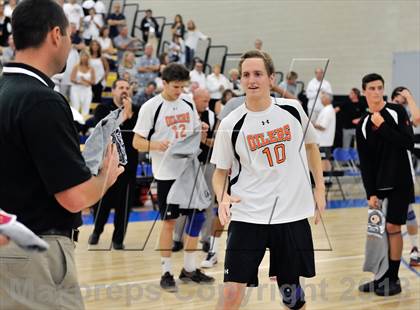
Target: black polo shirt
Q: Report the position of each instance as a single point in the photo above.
(39, 150)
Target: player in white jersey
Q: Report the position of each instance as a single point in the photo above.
(268, 144)
(163, 121)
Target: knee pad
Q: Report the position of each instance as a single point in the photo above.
(194, 224)
(293, 295)
(411, 217)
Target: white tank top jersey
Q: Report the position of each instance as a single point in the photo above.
(84, 75)
(268, 160)
(98, 66)
(175, 121)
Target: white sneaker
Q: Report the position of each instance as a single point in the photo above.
(210, 260)
(414, 257)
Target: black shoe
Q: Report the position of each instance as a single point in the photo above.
(369, 287)
(388, 288)
(177, 246)
(167, 283)
(206, 246)
(195, 276)
(118, 246)
(93, 239)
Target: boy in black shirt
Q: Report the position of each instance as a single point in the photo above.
(384, 141)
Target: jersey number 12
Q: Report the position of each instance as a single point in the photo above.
(179, 131)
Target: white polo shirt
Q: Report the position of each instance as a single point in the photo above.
(326, 119)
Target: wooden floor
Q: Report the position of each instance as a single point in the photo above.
(130, 279)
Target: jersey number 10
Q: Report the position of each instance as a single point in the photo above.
(279, 152)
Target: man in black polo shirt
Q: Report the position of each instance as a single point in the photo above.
(120, 194)
(44, 179)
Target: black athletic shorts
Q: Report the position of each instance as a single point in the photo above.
(398, 202)
(325, 152)
(290, 245)
(171, 211)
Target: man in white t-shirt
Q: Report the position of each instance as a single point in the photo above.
(164, 121)
(317, 83)
(325, 126)
(268, 144)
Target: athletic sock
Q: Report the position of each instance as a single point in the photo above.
(214, 244)
(189, 261)
(414, 240)
(394, 266)
(166, 265)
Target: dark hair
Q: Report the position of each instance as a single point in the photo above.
(370, 78)
(33, 19)
(198, 60)
(175, 72)
(224, 94)
(268, 62)
(180, 18)
(114, 84)
(356, 91)
(99, 48)
(397, 91)
(162, 58)
(102, 30)
(151, 83)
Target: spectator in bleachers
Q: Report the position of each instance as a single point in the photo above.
(177, 50)
(350, 112)
(74, 12)
(5, 26)
(312, 90)
(258, 44)
(191, 41)
(98, 5)
(150, 29)
(120, 195)
(9, 8)
(128, 64)
(147, 67)
(116, 19)
(8, 52)
(146, 94)
(77, 45)
(164, 59)
(197, 74)
(158, 79)
(289, 84)
(82, 78)
(216, 84)
(101, 67)
(178, 27)
(325, 126)
(235, 82)
(92, 24)
(220, 104)
(107, 47)
(123, 42)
